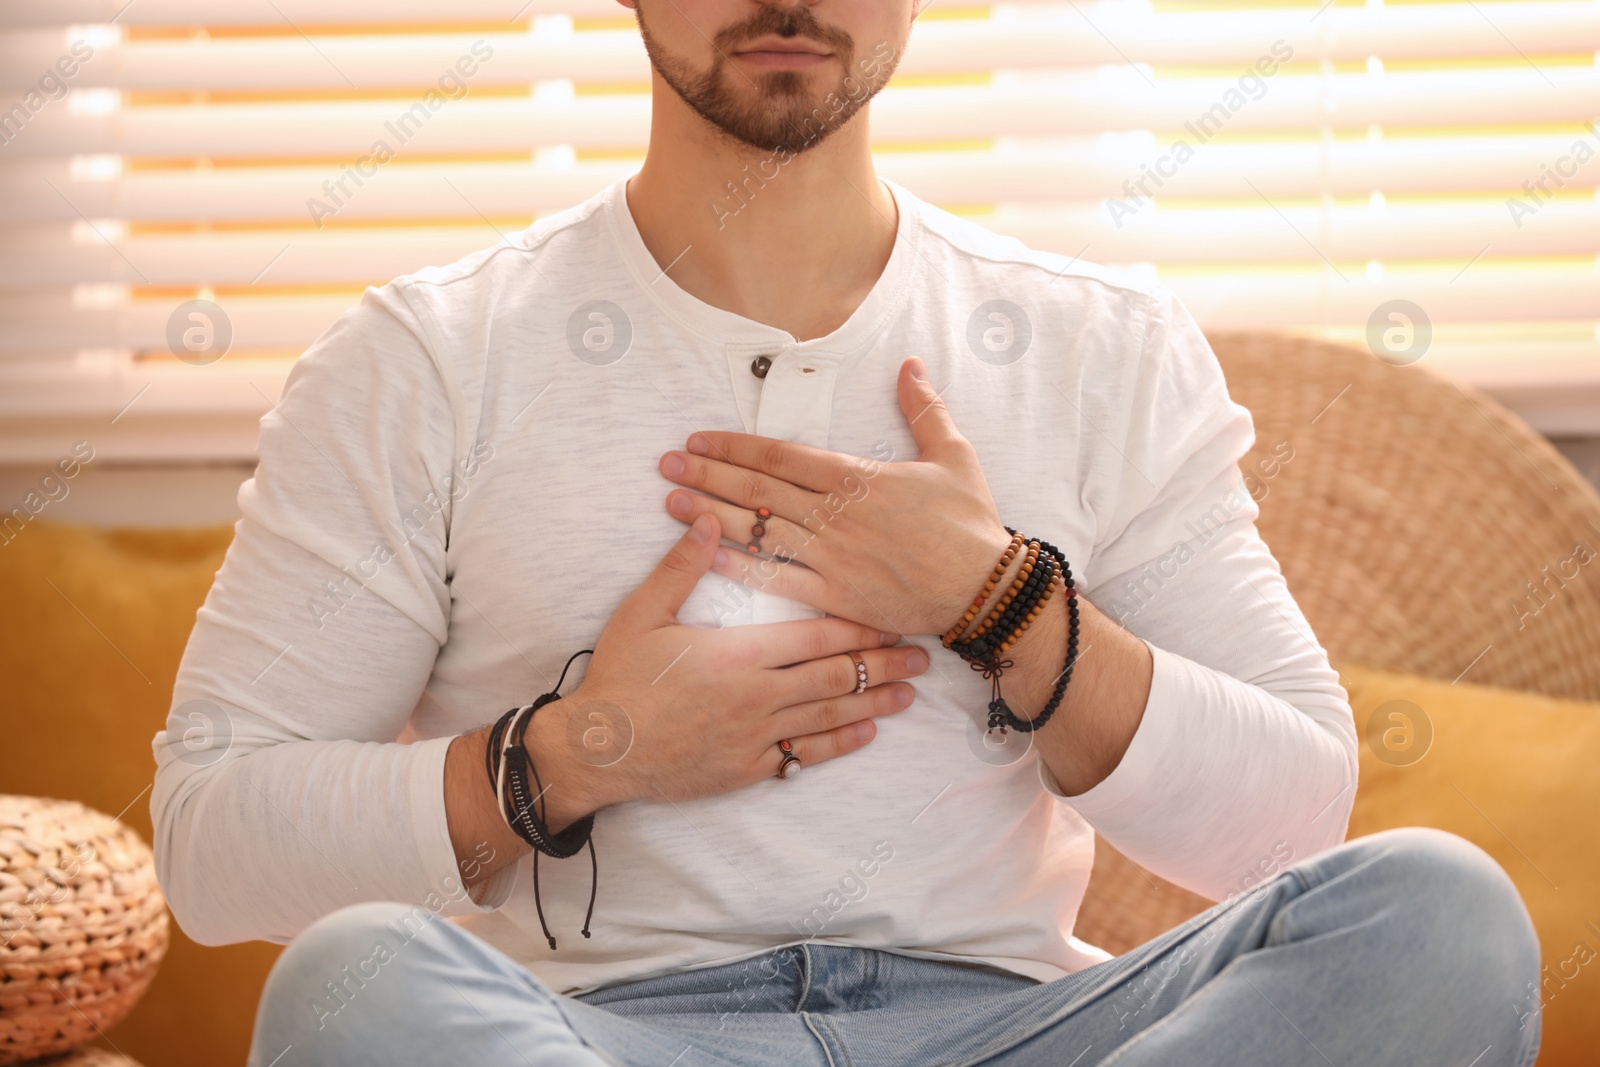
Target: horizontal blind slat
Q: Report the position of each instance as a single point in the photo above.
(337, 62)
(1090, 169)
(40, 318)
(1288, 234)
(279, 14)
(1034, 31)
(1195, 107)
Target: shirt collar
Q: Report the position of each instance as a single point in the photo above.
(716, 324)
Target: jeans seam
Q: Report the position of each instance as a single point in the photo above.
(844, 1051)
(868, 989)
(805, 979)
(556, 999)
(809, 1020)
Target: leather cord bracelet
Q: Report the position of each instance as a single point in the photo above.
(508, 765)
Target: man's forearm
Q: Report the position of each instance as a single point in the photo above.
(1091, 729)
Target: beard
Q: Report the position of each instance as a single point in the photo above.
(773, 110)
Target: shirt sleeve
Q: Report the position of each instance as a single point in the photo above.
(281, 791)
(1245, 759)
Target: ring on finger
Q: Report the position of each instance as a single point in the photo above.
(758, 530)
(861, 672)
(790, 763)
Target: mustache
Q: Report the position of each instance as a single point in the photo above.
(784, 22)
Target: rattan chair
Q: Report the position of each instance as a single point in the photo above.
(1421, 527)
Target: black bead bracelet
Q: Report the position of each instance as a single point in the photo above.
(982, 653)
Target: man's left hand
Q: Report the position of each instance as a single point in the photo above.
(901, 546)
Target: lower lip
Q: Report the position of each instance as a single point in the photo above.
(781, 59)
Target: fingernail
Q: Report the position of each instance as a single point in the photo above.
(864, 730)
(672, 466)
(721, 558)
(917, 661)
(679, 504)
(700, 529)
(918, 370)
(889, 638)
(698, 446)
(902, 697)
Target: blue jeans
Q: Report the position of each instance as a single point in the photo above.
(1409, 947)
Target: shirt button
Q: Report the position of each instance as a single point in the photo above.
(759, 366)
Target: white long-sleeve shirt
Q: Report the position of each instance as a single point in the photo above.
(460, 485)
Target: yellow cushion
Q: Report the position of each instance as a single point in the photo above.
(1518, 774)
(94, 625)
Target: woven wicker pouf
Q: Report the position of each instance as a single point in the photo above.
(83, 927)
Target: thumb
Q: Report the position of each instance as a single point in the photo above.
(924, 409)
(659, 597)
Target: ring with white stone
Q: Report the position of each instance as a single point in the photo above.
(861, 671)
(791, 762)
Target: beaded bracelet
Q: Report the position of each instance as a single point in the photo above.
(1035, 590)
(1008, 592)
(1015, 589)
(1010, 553)
(1000, 713)
(1044, 569)
(1034, 613)
(1024, 591)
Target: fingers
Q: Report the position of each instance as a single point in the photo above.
(797, 464)
(833, 676)
(801, 640)
(745, 488)
(838, 715)
(659, 597)
(812, 749)
(778, 535)
(924, 409)
(770, 576)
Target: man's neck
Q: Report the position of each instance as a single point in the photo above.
(801, 244)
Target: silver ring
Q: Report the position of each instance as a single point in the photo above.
(861, 672)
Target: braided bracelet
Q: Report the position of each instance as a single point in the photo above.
(508, 764)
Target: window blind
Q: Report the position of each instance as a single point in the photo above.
(190, 193)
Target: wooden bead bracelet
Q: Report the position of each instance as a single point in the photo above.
(1044, 570)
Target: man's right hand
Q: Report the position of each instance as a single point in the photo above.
(673, 712)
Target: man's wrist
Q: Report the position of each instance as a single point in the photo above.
(570, 782)
(978, 573)
(1104, 702)
(1038, 657)
(473, 810)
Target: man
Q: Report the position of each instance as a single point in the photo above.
(487, 468)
